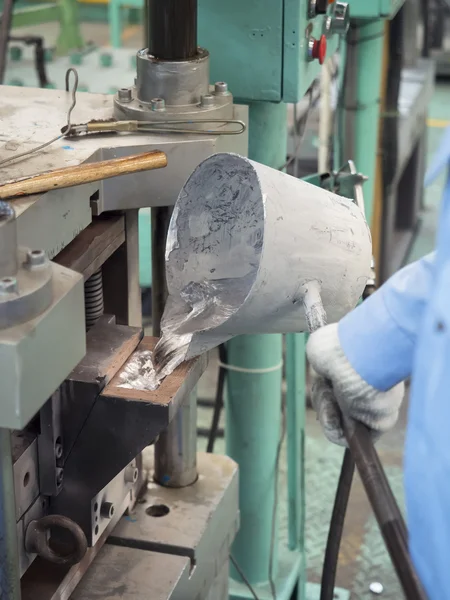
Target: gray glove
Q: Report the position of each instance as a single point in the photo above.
(338, 387)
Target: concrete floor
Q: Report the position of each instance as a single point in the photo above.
(363, 558)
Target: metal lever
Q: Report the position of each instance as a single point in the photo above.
(362, 451)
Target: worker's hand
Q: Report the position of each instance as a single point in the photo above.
(339, 388)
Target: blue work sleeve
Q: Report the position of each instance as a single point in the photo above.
(379, 336)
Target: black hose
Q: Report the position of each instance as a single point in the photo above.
(336, 527)
(384, 506)
(218, 405)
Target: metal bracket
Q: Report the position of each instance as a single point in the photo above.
(348, 182)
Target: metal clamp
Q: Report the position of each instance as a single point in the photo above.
(37, 540)
(349, 183)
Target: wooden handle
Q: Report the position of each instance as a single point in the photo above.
(86, 173)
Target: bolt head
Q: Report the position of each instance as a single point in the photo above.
(107, 510)
(131, 474)
(158, 104)
(221, 87)
(59, 476)
(6, 212)
(58, 450)
(36, 258)
(208, 100)
(8, 285)
(124, 95)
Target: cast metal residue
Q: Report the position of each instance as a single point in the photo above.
(214, 244)
(139, 373)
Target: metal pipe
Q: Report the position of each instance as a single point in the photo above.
(172, 29)
(176, 448)
(253, 405)
(361, 100)
(9, 554)
(8, 241)
(384, 506)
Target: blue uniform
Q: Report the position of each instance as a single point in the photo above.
(404, 330)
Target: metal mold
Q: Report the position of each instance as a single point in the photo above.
(33, 366)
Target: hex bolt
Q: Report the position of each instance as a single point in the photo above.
(58, 450)
(221, 87)
(207, 100)
(131, 474)
(36, 258)
(59, 476)
(158, 104)
(8, 285)
(107, 510)
(124, 95)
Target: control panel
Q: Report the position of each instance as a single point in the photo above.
(270, 50)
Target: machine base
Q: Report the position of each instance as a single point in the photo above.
(175, 544)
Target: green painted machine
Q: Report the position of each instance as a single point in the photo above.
(270, 53)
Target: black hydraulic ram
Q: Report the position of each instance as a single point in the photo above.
(172, 29)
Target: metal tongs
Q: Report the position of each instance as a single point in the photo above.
(218, 127)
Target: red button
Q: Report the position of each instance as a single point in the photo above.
(319, 50)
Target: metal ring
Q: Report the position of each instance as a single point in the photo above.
(37, 539)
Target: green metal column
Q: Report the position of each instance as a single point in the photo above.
(253, 406)
(70, 36)
(362, 100)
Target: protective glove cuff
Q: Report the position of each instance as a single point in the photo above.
(328, 359)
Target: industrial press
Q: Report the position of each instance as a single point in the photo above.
(86, 509)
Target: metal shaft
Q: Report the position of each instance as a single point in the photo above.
(172, 29)
(384, 506)
(176, 448)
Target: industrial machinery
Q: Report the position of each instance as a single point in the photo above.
(72, 432)
(82, 515)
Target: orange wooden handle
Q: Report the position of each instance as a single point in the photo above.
(86, 173)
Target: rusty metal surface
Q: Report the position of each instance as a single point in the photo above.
(199, 522)
(135, 575)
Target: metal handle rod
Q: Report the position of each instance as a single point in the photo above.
(373, 477)
(384, 506)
